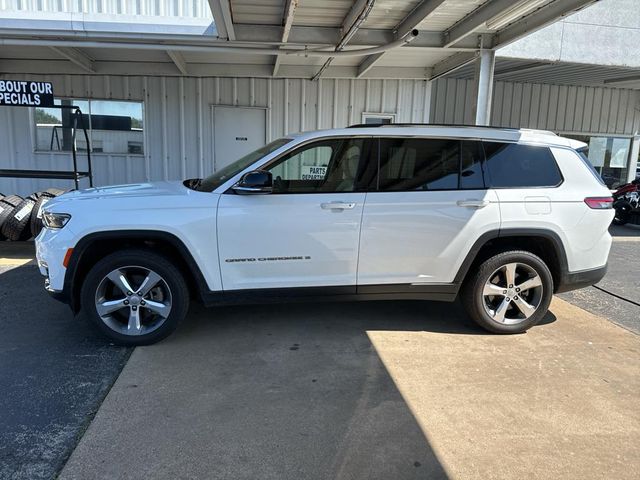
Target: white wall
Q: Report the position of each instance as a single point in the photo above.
(542, 106)
(605, 33)
(181, 8)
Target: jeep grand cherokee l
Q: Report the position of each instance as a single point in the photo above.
(501, 218)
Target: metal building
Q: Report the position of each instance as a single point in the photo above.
(201, 82)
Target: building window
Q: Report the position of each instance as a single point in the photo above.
(378, 118)
(113, 126)
(609, 156)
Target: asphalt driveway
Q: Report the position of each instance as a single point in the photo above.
(617, 296)
(54, 373)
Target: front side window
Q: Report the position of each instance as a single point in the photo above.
(114, 127)
(512, 165)
(333, 165)
(429, 164)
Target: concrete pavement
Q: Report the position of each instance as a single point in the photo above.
(371, 390)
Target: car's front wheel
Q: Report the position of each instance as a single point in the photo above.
(509, 292)
(135, 297)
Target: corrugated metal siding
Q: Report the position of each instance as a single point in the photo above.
(166, 8)
(560, 108)
(178, 119)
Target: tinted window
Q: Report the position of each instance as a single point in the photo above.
(429, 164)
(512, 165)
(471, 175)
(327, 166)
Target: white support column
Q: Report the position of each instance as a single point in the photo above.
(483, 86)
(633, 159)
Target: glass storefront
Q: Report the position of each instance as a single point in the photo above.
(609, 156)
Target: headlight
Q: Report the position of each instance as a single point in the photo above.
(55, 220)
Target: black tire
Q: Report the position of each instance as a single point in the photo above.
(7, 205)
(56, 192)
(16, 226)
(35, 223)
(143, 259)
(621, 218)
(476, 304)
(35, 196)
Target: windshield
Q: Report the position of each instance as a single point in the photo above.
(212, 182)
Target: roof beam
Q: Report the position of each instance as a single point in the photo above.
(330, 36)
(60, 66)
(452, 63)
(179, 61)
(417, 16)
(287, 23)
(350, 24)
(539, 19)
(411, 21)
(474, 20)
(221, 10)
(76, 56)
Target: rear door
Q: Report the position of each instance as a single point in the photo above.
(427, 207)
(305, 233)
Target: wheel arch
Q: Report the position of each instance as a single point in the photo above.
(94, 246)
(544, 243)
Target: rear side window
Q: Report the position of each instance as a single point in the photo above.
(429, 164)
(516, 166)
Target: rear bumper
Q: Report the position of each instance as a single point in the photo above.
(584, 278)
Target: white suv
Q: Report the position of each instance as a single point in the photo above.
(504, 218)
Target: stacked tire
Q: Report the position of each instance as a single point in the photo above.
(19, 218)
(35, 223)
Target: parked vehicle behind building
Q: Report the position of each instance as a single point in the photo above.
(502, 218)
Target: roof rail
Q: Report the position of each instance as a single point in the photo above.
(378, 125)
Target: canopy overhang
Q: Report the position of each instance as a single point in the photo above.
(259, 38)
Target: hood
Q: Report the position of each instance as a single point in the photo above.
(132, 190)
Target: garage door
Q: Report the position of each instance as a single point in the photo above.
(236, 132)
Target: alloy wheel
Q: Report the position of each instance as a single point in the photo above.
(133, 300)
(512, 293)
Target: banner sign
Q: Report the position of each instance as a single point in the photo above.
(22, 93)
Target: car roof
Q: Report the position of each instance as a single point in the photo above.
(521, 135)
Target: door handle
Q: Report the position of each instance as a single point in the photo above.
(337, 206)
(473, 203)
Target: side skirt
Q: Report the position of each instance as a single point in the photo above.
(434, 292)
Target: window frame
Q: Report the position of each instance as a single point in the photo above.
(490, 185)
(380, 115)
(34, 132)
(460, 140)
(296, 148)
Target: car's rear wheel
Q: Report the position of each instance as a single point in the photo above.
(135, 297)
(509, 292)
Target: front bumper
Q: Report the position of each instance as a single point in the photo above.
(584, 278)
(51, 248)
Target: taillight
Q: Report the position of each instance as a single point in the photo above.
(599, 203)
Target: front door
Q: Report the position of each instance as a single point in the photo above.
(305, 233)
(237, 131)
(426, 211)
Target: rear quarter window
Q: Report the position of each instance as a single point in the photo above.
(511, 165)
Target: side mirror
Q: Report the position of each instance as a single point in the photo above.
(256, 182)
